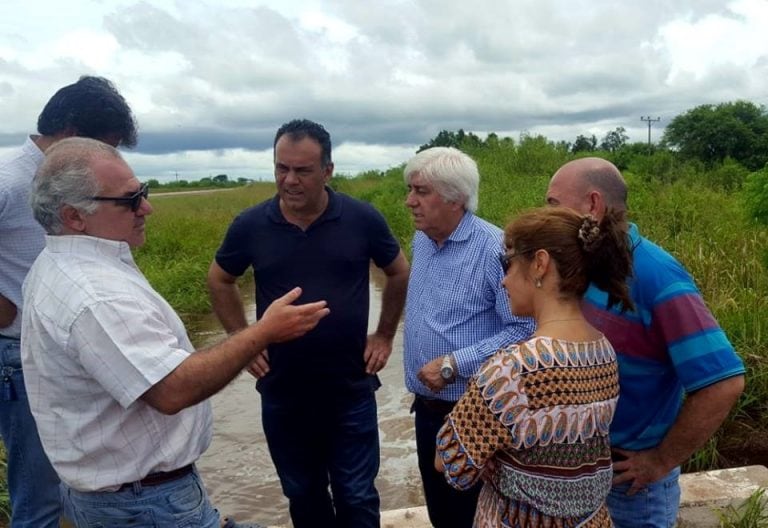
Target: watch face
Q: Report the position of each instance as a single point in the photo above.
(446, 372)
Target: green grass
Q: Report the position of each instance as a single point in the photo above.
(183, 235)
(752, 513)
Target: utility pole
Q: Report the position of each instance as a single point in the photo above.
(649, 120)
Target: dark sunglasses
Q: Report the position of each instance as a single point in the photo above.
(506, 261)
(133, 201)
(505, 258)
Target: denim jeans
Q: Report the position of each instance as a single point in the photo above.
(653, 507)
(326, 441)
(181, 503)
(447, 507)
(32, 483)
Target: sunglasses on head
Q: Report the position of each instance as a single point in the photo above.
(133, 201)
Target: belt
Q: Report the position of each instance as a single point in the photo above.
(12, 338)
(161, 477)
(434, 405)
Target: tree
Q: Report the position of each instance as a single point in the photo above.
(614, 140)
(153, 183)
(457, 140)
(220, 178)
(584, 144)
(711, 133)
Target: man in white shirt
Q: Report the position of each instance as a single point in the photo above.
(117, 391)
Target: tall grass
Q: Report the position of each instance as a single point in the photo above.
(752, 513)
(183, 234)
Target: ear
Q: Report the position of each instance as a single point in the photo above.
(540, 263)
(328, 172)
(73, 219)
(596, 204)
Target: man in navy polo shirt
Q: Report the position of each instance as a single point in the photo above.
(317, 392)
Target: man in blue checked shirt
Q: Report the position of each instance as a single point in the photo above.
(457, 312)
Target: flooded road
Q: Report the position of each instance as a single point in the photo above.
(237, 469)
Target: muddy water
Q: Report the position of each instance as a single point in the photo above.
(237, 469)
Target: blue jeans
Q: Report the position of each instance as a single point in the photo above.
(322, 442)
(32, 483)
(181, 503)
(447, 507)
(653, 507)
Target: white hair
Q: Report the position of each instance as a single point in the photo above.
(66, 178)
(453, 174)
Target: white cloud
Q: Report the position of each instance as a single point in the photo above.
(734, 37)
(211, 82)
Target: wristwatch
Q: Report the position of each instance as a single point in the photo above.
(447, 371)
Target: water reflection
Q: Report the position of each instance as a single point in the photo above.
(237, 469)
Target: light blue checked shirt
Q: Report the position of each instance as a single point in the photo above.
(21, 237)
(457, 305)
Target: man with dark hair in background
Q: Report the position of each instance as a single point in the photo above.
(92, 108)
(317, 392)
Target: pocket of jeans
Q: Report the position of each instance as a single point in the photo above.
(103, 519)
(185, 504)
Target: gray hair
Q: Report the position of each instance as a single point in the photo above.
(66, 178)
(453, 174)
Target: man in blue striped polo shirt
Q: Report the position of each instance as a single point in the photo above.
(669, 346)
(457, 312)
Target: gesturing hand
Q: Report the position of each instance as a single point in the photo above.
(283, 321)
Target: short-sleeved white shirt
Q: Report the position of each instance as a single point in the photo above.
(21, 237)
(95, 337)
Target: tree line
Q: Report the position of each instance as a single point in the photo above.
(708, 133)
(724, 146)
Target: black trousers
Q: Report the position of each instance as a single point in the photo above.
(447, 506)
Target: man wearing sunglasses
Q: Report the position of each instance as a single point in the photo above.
(119, 394)
(92, 108)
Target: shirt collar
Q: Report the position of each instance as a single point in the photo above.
(33, 150)
(464, 229)
(634, 235)
(332, 210)
(89, 246)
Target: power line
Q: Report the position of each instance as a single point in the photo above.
(649, 120)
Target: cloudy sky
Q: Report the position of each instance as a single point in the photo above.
(210, 81)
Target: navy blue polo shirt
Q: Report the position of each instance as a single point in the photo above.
(329, 261)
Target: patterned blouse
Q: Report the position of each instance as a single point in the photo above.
(540, 410)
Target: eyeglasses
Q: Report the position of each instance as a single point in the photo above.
(505, 259)
(133, 201)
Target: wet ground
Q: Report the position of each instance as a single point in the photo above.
(237, 469)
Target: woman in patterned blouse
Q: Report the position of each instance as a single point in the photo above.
(533, 424)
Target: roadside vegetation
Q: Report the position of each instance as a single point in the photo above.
(220, 181)
(752, 513)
